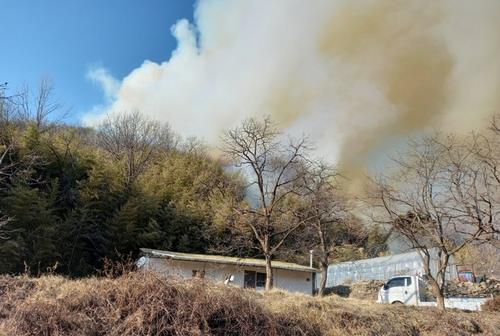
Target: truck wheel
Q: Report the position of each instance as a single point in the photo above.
(398, 303)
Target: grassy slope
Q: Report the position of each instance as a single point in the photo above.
(143, 304)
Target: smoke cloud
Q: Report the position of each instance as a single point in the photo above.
(354, 75)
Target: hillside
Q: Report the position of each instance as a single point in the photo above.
(143, 304)
(69, 200)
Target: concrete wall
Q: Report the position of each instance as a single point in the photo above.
(292, 281)
(473, 304)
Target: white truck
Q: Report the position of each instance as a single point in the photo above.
(411, 290)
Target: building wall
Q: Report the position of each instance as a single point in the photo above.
(292, 281)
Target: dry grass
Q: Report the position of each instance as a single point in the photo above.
(492, 305)
(144, 304)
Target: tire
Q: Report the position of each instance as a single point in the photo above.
(397, 303)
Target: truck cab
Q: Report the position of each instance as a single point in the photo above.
(411, 290)
(407, 289)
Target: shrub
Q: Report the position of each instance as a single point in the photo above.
(492, 305)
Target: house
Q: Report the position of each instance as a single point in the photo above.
(241, 272)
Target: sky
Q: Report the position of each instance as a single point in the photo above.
(358, 77)
(63, 40)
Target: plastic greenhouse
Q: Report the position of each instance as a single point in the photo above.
(382, 268)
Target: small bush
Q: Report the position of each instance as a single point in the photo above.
(12, 291)
(492, 305)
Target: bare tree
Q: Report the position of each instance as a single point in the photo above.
(12, 162)
(474, 186)
(132, 139)
(275, 171)
(479, 187)
(429, 202)
(5, 149)
(3, 95)
(5, 105)
(325, 207)
(40, 106)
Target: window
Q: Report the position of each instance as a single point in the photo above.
(396, 282)
(249, 279)
(408, 281)
(198, 274)
(261, 279)
(252, 279)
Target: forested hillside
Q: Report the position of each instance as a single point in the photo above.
(71, 196)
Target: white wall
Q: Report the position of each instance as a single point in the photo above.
(473, 304)
(292, 281)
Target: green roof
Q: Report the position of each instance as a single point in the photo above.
(251, 262)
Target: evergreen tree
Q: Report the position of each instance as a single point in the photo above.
(33, 231)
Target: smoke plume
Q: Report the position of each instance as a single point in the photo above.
(354, 75)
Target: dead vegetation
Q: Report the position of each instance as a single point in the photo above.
(144, 304)
(488, 288)
(492, 305)
(363, 290)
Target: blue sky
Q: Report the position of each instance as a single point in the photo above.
(63, 39)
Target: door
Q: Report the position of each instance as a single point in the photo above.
(410, 291)
(395, 290)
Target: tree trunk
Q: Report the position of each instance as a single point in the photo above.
(440, 301)
(441, 280)
(269, 273)
(323, 261)
(438, 292)
(324, 272)
(437, 289)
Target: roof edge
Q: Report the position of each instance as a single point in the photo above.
(228, 260)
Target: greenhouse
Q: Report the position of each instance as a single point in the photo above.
(382, 268)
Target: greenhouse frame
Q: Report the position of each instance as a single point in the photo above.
(382, 268)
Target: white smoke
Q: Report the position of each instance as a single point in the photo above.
(107, 82)
(351, 74)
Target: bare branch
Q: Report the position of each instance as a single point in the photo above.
(134, 140)
(274, 170)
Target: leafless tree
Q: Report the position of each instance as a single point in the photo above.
(6, 166)
(479, 159)
(6, 147)
(5, 105)
(3, 96)
(326, 207)
(12, 162)
(133, 140)
(275, 171)
(434, 202)
(38, 107)
(474, 184)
